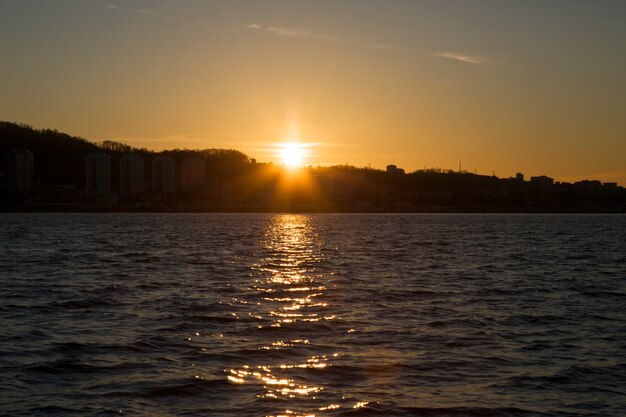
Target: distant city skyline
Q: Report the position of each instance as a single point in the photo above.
(121, 178)
(505, 86)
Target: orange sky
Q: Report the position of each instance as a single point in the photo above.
(506, 86)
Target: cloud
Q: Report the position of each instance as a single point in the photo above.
(294, 33)
(139, 11)
(375, 45)
(290, 32)
(467, 59)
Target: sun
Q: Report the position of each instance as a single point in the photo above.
(292, 154)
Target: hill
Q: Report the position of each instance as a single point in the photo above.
(60, 158)
(234, 182)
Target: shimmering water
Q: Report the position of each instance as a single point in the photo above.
(312, 315)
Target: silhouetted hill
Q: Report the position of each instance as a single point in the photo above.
(60, 158)
(234, 182)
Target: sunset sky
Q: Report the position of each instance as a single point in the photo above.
(528, 86)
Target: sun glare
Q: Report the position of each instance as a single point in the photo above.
(292, 154)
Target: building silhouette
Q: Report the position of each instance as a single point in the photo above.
(588, 188)
(194, 174)
(519, 177)
(20, 170)
(131, 174)
(163, 174)
(542, 181)
(392, 169)
(98, 174)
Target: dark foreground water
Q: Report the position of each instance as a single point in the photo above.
(312, 315)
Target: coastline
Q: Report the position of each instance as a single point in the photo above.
(302, 210)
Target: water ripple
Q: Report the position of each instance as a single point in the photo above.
(312, 315)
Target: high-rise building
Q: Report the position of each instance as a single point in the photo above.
(194, 175)
(20, 170)
(163, 174)
(131, 174)
(98, 174)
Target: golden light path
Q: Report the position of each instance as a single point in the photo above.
(288, 291)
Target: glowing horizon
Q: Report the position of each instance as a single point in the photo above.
(292, 154)
(415, 84)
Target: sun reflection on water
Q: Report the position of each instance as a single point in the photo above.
(289, 291)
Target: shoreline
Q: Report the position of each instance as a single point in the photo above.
(163, 210)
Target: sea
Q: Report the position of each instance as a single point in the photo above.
(312, 315)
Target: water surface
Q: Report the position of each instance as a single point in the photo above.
(312, 315)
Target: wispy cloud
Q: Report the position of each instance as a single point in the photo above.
(291, 32)
(467, 59)
(295, 33)
(144, 12)
(174, 140)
